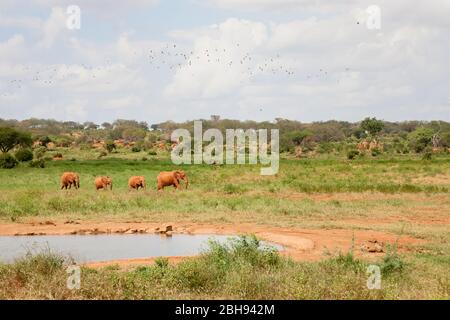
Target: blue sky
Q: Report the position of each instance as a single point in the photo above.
(151, 60)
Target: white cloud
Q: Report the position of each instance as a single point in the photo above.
(12, 49)
(53, 27)
(123, 103)
(341, 69)
(214, 68)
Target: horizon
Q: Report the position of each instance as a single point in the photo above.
(149, 123)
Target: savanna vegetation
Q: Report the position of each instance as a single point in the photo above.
(240, 269)
(333, 175)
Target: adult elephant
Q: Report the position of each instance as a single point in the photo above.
(68, 179)
(171, 178)
(136, 182)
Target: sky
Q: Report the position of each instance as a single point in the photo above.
(156, 60)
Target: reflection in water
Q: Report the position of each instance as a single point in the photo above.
(93, 248)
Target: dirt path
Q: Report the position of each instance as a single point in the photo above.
(299, 244)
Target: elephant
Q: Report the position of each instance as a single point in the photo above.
(171, 178)
(136, 182)
(103, 183)
(68, 179)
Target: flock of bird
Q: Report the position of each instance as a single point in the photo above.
(170, 57)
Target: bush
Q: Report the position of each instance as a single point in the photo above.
(7, 161)
(58, 155)
(39, 152)
(144, 158)
(110, 146)
(420, 139)
(39, 163)
(162, 262)
(24, 155)
(428, 155)
(392, 263)
(152, 153)
(136, 149)
(352, 154)
(376, 152)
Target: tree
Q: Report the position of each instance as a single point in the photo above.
(134, 134)
(90, 125)
(420, 138)
(106, 125)
(297, 137)
(372, 125)
(10, 138)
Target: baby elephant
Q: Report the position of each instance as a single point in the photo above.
(136, 182)
(103, 183)
(171, 178)
(68, 179)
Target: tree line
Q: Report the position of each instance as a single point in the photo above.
(295, 136)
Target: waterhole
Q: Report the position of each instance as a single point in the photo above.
(96, 248)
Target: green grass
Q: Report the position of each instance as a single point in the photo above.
(28, 191)
(237, 270)
(325, 192)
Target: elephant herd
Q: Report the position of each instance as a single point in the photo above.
(165, 179)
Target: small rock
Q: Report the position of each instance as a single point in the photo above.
(47, 223)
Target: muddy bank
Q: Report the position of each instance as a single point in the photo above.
(299, 244)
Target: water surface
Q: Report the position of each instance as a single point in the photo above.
(94, 248)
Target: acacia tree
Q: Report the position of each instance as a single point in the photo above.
(10, 138)
(372, 125)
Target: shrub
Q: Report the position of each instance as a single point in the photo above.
(144, 158)
(152, 153)
(58, 155)
(24, 155)
(392, 263)
(420, 139)
(39, 163)
(428, 154)
(110, 146)
(375, 152)
(39, 152)
(162, 262)
(351, 154)
(136, 149)
(7, 161)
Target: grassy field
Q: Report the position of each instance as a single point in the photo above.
(328, 193)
